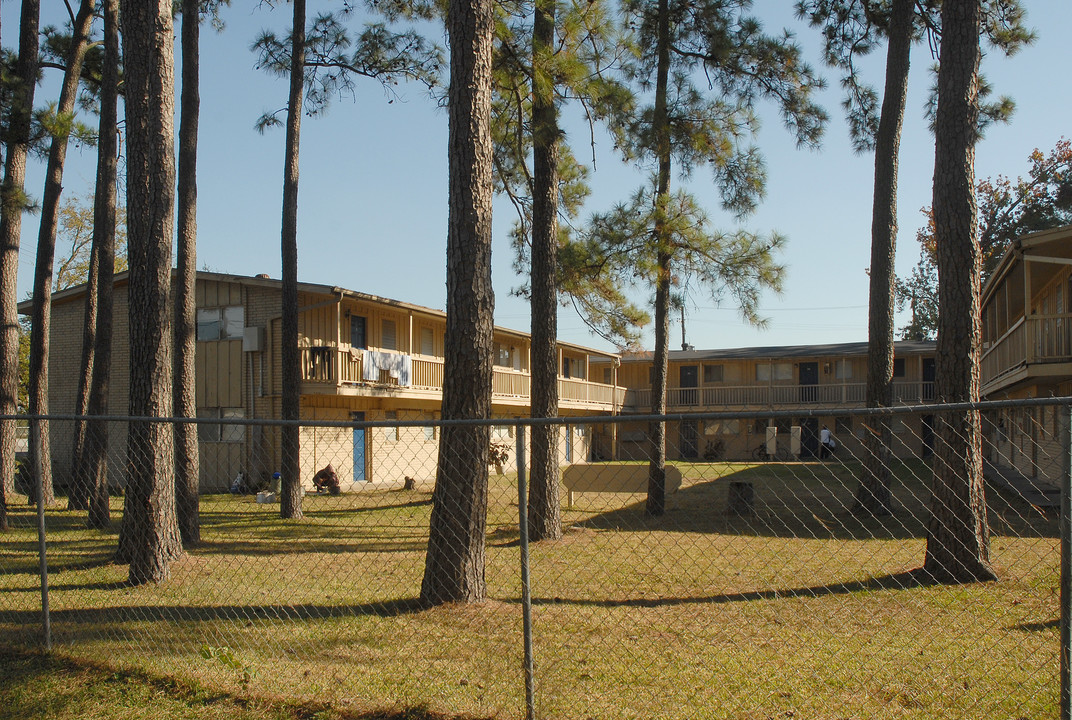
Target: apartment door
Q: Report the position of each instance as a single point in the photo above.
(359, 447)
(927, 435)
(688, 434)
(928, 379)
(809, 381)
(688, 378)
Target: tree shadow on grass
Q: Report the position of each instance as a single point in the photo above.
(1054, 624)
(810, 501)
(910, 580)
(94, 618)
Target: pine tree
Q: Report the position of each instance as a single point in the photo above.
(958, 536)
(13, 202)
(454, 564)
(664, 235)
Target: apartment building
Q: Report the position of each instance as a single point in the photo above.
(818, 381)
(363, 358)
(1027, 350)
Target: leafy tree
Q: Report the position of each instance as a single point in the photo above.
(958, 537)
(454, 564)
(13, 201)
(660, 237)
(1007, 210)
(322, 62)
(149, 536)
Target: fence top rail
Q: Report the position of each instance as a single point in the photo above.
(922, 409)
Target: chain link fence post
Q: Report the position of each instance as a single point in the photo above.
(39, 484)
(526, 594)
(1065, 525)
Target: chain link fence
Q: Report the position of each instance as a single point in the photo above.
(763, 590)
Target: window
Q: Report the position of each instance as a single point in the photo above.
(898, 367)
(722, 427)
(232, 433)
(358, 337)
(388, 335)
(220, 323)
(844, 370)
(390, 433)
(427, 341)
(843, 426)
(712, 373)
(429, 430)
(218, 432)
(502, 355)
(778, 371)
(608, 376)
(517, 358)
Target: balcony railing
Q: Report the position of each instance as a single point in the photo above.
(782, 396)
(1035, 339)
(344, 368)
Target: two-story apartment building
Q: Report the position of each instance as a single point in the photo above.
(819, 381)
(1027, 349)
(363, 358)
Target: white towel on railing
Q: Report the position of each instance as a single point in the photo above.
(398, 366)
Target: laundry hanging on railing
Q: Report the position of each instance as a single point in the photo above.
(398, 366)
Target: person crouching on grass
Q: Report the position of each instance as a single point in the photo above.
(326, 480)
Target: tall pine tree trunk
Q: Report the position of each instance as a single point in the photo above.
(40, 445)
(186, 450)
(958, 538)
(150, 527)
(290, 495)
(545, 515)
(95, 454)
(12, 204)
(78, 495)
(454, 565)
(656, 500)
(873, 495)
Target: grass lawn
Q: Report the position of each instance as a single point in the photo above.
(801, 610)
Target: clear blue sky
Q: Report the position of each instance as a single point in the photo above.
(373, 193)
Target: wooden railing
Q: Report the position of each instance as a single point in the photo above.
(339, 368)
(708, 398)
(1035, 339)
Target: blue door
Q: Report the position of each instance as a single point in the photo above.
(359, 448)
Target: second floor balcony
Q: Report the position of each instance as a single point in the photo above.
(780, 397)
(1034, 340)
(329, 369)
